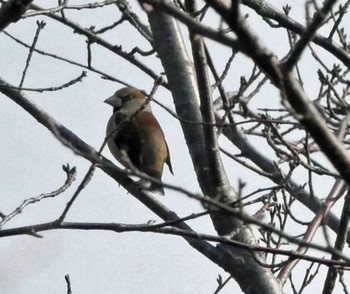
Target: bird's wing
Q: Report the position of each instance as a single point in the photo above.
(128, 140)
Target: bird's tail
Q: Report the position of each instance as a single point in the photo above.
(156, 188)
(152, 187)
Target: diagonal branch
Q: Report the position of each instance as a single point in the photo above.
(172, 52)
(305, 111)
(266, 10)
(342, 235)
(308, 35)
(268, 166)
(220, 256)
(98, 40)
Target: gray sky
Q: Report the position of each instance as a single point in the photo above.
(31, 160)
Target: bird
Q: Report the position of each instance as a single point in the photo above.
(136, 138)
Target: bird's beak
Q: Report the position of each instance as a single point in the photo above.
(114, 101)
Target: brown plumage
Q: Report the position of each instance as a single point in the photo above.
(139, 141)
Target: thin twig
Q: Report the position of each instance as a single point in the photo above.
(40, 25)
(71, 176)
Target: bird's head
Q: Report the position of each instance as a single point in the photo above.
(127, 98)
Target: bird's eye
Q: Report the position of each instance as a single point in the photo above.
(123, 96)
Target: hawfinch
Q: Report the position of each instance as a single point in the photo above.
(138, 141)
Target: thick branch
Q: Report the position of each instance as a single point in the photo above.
(342, 235)
(266, 10)
(290, 89)
(268, 166)
(182, 83)
(217, 181)
(219, 256)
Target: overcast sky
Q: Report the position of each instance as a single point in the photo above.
(31, 160)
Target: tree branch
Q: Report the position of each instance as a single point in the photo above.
(220, 256)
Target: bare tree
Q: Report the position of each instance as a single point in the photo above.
(276, 89)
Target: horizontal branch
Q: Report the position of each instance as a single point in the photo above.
(71, 176)
(219, 256)
(163, 228)
(100, 41)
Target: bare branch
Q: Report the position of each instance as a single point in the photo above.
(40, 25)
(308, 35)
(113, 48)
(71, 176)
(268, 11)
(162, 229)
